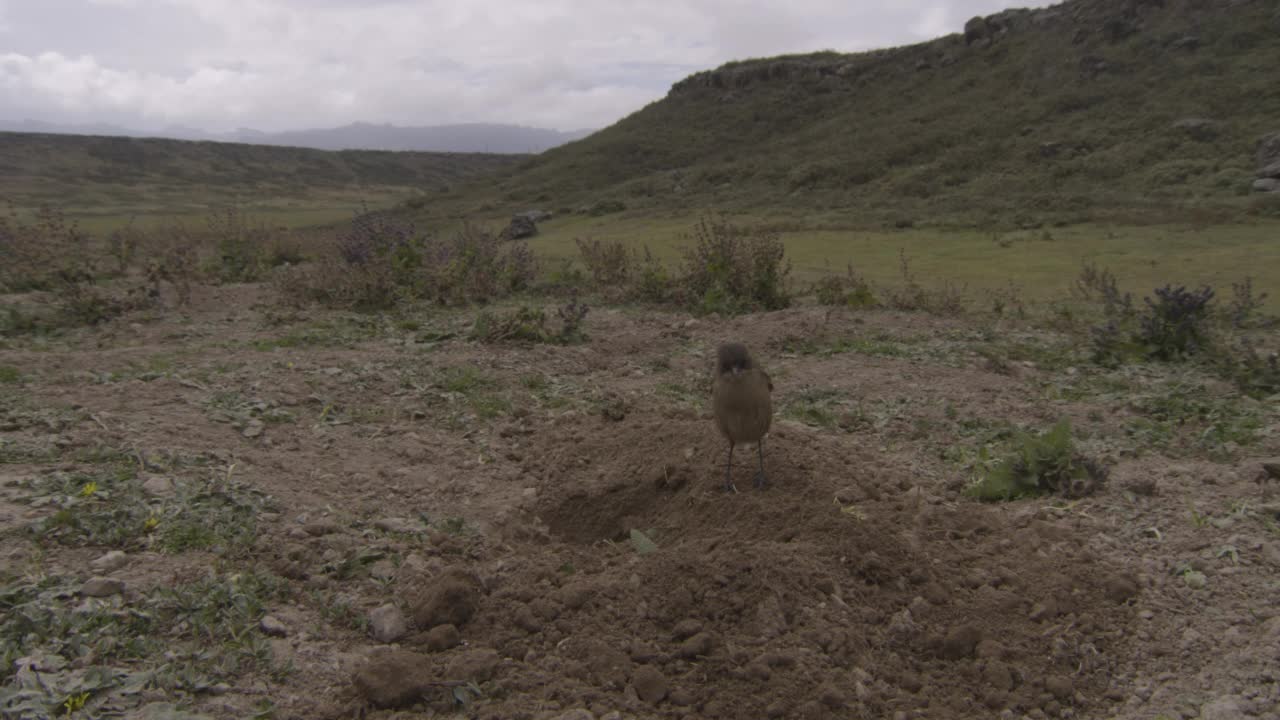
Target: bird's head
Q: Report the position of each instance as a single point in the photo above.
(733, 358)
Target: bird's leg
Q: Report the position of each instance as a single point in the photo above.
(728, 471)
(760, 478)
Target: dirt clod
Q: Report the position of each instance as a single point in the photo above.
(1061, 687)
(394, 679)
(1120, 588)
(695, 646)
(450, 600)
(474, 665)
(441, 637)
(650, 684)
(960, 642)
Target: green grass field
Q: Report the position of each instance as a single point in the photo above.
(1042, 263)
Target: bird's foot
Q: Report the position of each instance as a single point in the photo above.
(760, 481)
(729, 487)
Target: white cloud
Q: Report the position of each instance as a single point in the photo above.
(277, 64)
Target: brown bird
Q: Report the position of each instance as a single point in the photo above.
(740, 395)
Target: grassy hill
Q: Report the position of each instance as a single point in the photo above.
(1087, 109)
(117, 176)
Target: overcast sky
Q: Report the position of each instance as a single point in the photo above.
(287, 64)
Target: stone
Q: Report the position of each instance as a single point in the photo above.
(113, 560)
(1266, 185)
(650, 684)
(698, 645)
(157, 486)
(1061, 687)
(1120, 588)
(254, 428)
(1201, 129)
(102, 587)
(1224, 708)
(521, 227)
(474, 665)
(387, 624)
(451, 600)
(393, 680)
(442, 637)
(960, 642)
(273, 626)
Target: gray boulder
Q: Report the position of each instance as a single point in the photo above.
(1201, 129)
(1268, 156)
(521, 227)
(1266, 185)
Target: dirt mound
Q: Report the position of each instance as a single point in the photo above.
(843, 587)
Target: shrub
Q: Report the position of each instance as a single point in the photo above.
(526, 324)
(242, 245)
(34, 255)
(914, 297)
(848, 290)
(380, 261)
(731, 269)
(608, 262)
(1040, 464)
(1176, 323)
(1245, 305)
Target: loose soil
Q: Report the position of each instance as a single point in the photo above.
(517, 493)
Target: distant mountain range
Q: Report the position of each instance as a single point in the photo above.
(470, 137)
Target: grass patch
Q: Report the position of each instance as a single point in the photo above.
(111, 509)
(96, 657)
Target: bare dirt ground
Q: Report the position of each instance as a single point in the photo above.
(433, 526)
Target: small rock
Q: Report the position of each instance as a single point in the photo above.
(1266, 185)
(113, 560)
(681, 697)
(399, 525)
(474, 665)
(253, 429)
(1120, 588)
(1060, 687)
(1196, 580)
(451, 600)
(1224, 708)
(695, 646)
(686, 629)
(273, 626)
(157, 486)
(102, 587)
(320, 528)
(961, 642)
(442, 637)
(393, 680)
(387, 623)
(831, 697)
(650, 684)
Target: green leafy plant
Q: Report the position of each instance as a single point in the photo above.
(1040, 464)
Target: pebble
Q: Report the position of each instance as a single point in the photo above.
(387, 624)
(113, 560)
(102, 587)
(273, 626)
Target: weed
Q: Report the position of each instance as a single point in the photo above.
(848, 290)
(730, 269)
(10, 375)
(609, 263)
(1175, 325)
(914, 297)
(242, 244)
(1245, 305)
(1041, 464)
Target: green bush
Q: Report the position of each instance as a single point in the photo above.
(848, 290)
(1040, 464)
(731, 269)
